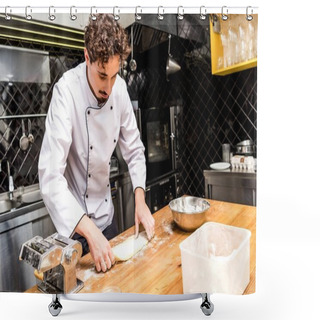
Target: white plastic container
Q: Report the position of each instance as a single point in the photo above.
(216, 259)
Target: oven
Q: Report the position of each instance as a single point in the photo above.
(158, 133)
(160, 193)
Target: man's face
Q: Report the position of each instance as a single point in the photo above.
(102, 77)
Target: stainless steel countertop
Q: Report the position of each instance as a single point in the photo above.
(8, 219)
(230, 171)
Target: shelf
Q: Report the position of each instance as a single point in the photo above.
(236, 67)
(217, 51)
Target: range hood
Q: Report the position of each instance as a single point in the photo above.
(24, 65)
(150, 32)
(41, 32)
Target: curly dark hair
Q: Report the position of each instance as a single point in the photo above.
(104, 38)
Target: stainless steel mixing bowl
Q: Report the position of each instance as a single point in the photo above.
(189, 213)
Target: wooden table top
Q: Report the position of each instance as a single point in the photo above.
(156, 269)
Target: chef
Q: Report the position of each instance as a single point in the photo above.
(90, 112)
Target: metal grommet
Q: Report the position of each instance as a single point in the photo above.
(7, 17)
(116, 15)
(93, 17)
(248, 16)
(138, 17)
(52, 16)
(224, 15)
(203, 13)
(28, 15)
(180, 13)
(160, 16)
(73, 17)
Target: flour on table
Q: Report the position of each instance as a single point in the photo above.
(167, 227)
(91, 273)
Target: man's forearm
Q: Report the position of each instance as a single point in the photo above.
(139, 195)
(100, 250)
(86, 227)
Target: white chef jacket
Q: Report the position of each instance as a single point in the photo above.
(80, 137)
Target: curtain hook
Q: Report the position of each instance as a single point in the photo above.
(224, 16)
(7, 17)
(160, 16)
(52, 16)
(248, 16)
(93, 17)
(203, 13)
(180, 13)
(28, 15)
(73, 16)
(116, 15)
(138, 17)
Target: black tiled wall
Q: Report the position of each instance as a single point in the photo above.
(216, 109)
(28, 99)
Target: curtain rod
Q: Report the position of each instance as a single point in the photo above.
(116, 11)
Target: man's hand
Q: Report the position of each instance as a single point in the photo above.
(99, 246)
(143, 214)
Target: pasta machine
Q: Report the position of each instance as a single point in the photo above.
(55, 259)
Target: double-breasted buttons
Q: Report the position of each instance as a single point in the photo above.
(91, 147)
(88, 111)
(89, 175)
(111, 107)
(87, 196)
(114, 140)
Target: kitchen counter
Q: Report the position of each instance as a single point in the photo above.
(235, 172)
(157, 268)
(236, 186)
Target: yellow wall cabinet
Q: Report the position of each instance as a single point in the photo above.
(233, 43)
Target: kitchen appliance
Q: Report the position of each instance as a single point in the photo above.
(117, 200)
(189, 213)
(54, 259)
(245, 147)
(160, 193)
(159, 133)
(24, 65)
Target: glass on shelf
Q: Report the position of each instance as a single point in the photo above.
(238, 39)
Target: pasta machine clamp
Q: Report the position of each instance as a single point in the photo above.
(55, 259)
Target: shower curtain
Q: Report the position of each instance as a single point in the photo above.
(187, 86)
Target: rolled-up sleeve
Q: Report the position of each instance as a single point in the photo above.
(64, 209)
(130, 144)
